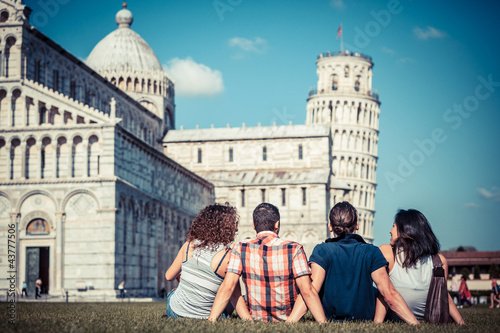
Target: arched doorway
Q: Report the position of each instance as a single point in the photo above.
(38, 257)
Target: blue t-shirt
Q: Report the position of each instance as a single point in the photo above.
(496, 289)
(348, 291)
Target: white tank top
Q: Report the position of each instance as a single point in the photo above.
(413, 283)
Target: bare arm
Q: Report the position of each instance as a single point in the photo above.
(224, 295)
(239, 304)
(300, 308)
(457, 317)
(391, 296)
(311, 298)
(381, 305)
(174, 269)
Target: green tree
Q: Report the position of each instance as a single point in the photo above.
(477, 273)
(494, 271)
(465, 273)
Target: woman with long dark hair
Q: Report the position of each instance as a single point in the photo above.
(203, 260)
(409, 254)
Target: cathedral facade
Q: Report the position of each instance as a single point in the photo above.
(84, 184)
(99, 187)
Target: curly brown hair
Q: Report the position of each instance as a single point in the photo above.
(214, 224)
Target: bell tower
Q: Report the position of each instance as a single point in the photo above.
(344, 99)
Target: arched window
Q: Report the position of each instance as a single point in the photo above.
(264, 153)
(199, 155)
(335, 82)
(300, 152)
(231, 154)
(38, 227)
(346, 71)
(356, 85)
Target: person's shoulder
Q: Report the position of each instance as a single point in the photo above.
(386, 250)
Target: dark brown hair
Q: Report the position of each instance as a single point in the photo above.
(415, 237)
(265, 217)
(343, 218)
(214, 224)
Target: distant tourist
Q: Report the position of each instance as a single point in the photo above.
(409, 254)
(273, 271)
(25, 289)
(344, 269)
(455, 289)
(495, 294)
(465, 294)
(121, 288)
(38, 287)
(203, 260)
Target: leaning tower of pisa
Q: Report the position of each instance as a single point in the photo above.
(345, 100)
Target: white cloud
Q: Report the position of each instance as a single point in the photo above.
(193, 79)
(472, 205)
(407, 60)
(428, 32)
(258, 45)
(493, 194)
(388, 50)
(339, 4)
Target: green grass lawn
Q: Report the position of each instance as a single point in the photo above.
(146, 317)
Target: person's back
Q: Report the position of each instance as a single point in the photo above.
(413, 283)
(270, 280)
(348, 292)
(199, 284)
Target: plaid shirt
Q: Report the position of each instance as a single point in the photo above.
(269, 266)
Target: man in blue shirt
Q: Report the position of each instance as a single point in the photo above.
(344, 269)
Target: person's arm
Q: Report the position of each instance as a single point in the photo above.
(224, 295)
(380, 310)
(239, 304)
(311, 298)
(174, 269)
(457, 317)
(299, 309)
(392, 297)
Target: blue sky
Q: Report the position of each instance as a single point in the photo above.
(436, 69)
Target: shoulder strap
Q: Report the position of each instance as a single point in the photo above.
(220, 262)
(438, 270)
(187, 252)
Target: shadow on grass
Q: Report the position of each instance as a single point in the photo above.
(146, 317)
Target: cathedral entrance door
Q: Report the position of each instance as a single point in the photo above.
(37, 266)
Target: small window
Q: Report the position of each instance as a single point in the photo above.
(55, 80)
(283, 197)
(72, 89)
(199, 155)
(346, 71)
(264, 153)
(242, 198)
(230, 154)
(263, 195)
(335, 82)
(300, 152)
(304, 196)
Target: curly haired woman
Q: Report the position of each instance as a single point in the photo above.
(203, 260)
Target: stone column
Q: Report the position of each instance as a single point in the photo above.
(38, 171)
(85, 152)
(59, 262)
(8, 157)
(22, 147)
(54, 158)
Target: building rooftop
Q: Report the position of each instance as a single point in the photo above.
(264, 177)
(247, 133)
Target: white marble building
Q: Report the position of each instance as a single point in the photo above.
(83, 180)
(302, 169)
(96, 197)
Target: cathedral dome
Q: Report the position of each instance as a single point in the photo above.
(123, 49)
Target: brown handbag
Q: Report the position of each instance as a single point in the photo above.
(437, 307)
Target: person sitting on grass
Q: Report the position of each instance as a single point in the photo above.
(203, 260)
(495, 294)
(412, 245)
(273, 271)
(344, 269)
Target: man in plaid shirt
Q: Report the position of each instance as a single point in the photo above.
(273, 271)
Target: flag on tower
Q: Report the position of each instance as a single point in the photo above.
(339, 32)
